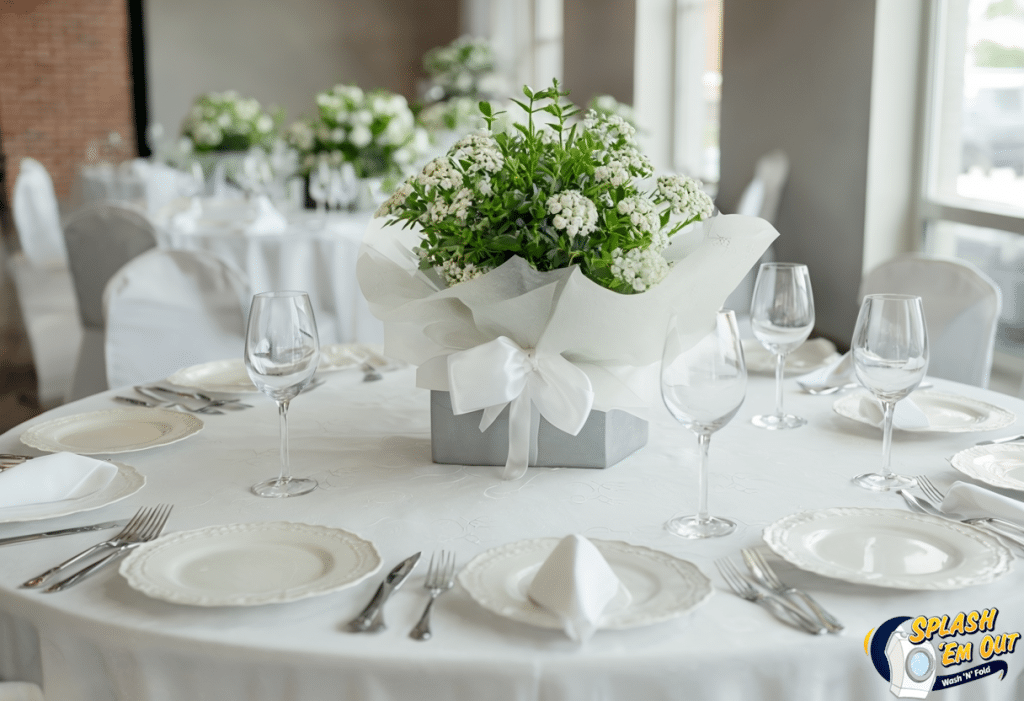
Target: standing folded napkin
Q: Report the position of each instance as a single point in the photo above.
(837, 373)
(977, 502)
(268, 220)
(576, 584)
(53, 477)
(187, 219)
(906, 416)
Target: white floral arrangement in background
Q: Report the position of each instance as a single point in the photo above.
(552, 194)
(606, 104)
(454, 114)
(374, 131)
(226, 121)
(464, 68)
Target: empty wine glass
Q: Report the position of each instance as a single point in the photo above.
(281, 354)
(781, 317)
(703, 386)
(890, 357)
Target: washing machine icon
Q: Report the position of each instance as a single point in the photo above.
(912, 668)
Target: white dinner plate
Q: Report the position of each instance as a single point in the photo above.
(226, 376)
(250, 564)
(659, 585)
(111, 431)
(888, 548)
(343, 356)
(947, 413)
(126, 482)
(811, 355)
(1000, 465)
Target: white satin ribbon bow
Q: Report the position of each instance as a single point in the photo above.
(495, 374)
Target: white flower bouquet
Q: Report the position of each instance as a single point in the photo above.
(226, 121)
(464, 68)
(374, 131)
(528, 269)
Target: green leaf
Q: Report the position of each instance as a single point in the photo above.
(485, 108)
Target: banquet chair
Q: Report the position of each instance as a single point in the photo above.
(100, 239)
(760, 199)
(961, 309)
(166, 310)
(20, 691)
(46, 295)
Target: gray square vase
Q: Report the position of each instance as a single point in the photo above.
(605, 439)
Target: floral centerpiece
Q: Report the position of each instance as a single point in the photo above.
(606, 104)
(374, 131)
(529, 269)
(464, 68)
(226, 121)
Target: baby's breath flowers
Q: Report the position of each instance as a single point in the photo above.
(553, 194)
(226, 121)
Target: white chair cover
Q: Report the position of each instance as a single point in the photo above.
(961, 309)
(20, 691)
(760, 199)
(37, 216)
(167, 310)
(100, 239)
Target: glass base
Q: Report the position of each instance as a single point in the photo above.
(774, 422)
(883, 483)
(696, 527)
(277, 488)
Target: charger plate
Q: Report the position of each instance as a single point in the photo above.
(811, 355)
(125, 483)
(658, 586)
(888, 548)
(112, 431)
(250, 564)
(947, 413)
(1000, 465)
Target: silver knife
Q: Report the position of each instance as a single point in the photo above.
(371, 619)
(63, 531)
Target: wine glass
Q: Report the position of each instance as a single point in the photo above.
(281, 354)
(703, 386)
(890, 358)
(781, 317)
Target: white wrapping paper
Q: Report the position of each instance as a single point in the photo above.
(615, 340)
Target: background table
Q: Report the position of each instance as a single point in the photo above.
(314, 255)
(368, 445)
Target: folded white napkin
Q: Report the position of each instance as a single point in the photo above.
(977, 502)
(838, 372)
(575, 583)
(53, 477)
(906, 415)
(187, 219)
(268, 220)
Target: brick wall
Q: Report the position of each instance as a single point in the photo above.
(66, 80)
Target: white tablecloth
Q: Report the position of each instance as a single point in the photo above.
(312, 255)
(368, 444)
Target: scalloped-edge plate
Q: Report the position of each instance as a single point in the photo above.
(224, 376)
(250, 564)
(947, 413)
(810, 355)
(1000, 465)
(112, 431)
(342, 356)
(888, 548)
(660, 587)
(125, 483)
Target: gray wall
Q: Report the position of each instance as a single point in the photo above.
(797, 76)
(284, 53)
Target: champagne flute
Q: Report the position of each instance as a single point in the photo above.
(703, 386)
(781, 317)
(282, 350)
(890, 358)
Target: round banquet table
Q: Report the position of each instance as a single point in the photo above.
(368, 445)
(314, 255)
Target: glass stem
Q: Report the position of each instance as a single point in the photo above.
(887, 412)
(703, 441)
(780, 366)
(282, 410)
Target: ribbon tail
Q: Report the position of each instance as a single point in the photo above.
(518, 437)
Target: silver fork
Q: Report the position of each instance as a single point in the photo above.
(149, 530)
(439, 579)
(745, 590)
(766, 577)
(131, 527)
(933, 493)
